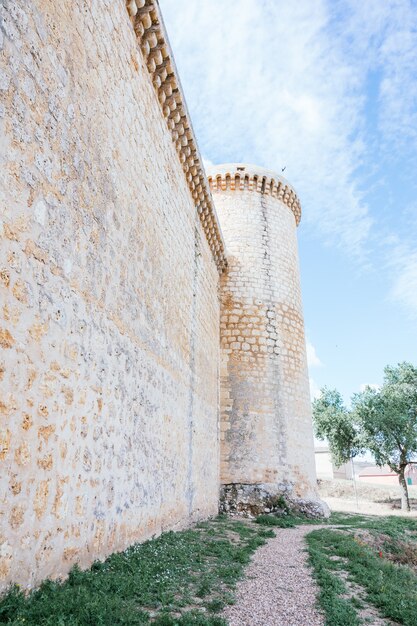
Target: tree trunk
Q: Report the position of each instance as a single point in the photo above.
(405, 502)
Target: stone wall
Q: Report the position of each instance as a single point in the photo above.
(109, 308)
(266, 426)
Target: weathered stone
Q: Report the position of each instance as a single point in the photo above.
(110, 257)
(267, 438)
(252, 500)
(109, 297)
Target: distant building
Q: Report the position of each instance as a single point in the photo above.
(385, 476)
(326, 469)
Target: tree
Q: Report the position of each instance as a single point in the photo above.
(382, 421)
(387, 420)
(334, 422)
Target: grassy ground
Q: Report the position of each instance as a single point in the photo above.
(372, 499)
(181, 578)
(366, 569)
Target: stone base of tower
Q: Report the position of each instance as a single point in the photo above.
(250, 500)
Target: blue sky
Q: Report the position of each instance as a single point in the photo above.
(327, 88)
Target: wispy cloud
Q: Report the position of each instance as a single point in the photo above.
(401, 263)
(325, 88)
(313, 361)
(312, 358)
(404, 289)
(314, 389)
(371, 385)
(269, 85)
(380, 39)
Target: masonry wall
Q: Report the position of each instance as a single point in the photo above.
(266, 425)
(109, 308)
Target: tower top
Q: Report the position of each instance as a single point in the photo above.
(241, 176)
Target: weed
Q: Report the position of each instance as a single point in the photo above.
(339, 611)
(389, 587)
(174, 580)
(403, 552)
(392, 526)
(267, 533)
(282, 504)
(284, 521)
(274, 520)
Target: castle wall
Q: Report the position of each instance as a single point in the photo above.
(266, 425)
(108, 299)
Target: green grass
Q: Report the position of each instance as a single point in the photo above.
(394, 526)
(391, 588)
(187, 578)
(339, 611)
(284, 521)
(182, 579)
(273, 520)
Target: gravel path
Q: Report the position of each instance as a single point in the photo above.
(279, 589)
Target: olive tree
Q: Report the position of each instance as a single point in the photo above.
(382, 421)
(334, 422)
(387, 420)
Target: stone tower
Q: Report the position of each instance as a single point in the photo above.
(266, 427)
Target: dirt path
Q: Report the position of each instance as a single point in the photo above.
(365, 507)
(279, 589)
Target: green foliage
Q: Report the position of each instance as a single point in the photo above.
(394, 526)
(282, 504)
(160, 581)
(383, 421)
(339, 610)
(267, 533)
(332, 421)
(274, 520)
(388, 417)
(391, 588)
(284, 521)
(191, 618)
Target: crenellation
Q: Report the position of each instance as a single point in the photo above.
(268, 185)
(155, 48)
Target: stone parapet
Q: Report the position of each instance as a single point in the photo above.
(241, 176)
(153, 41)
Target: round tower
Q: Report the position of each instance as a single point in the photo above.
(266, 429)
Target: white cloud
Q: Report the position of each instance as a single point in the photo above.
(207, 163)
(371, 385)
(398, 90)
(265, 83)
(312, 358)
(405, 285)
(313, 361)
(326, 89)
(314, 389)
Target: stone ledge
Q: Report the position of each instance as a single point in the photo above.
(242, 176)
(147, 21)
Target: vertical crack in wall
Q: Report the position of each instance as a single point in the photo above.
(271, 319)
(191, 386)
